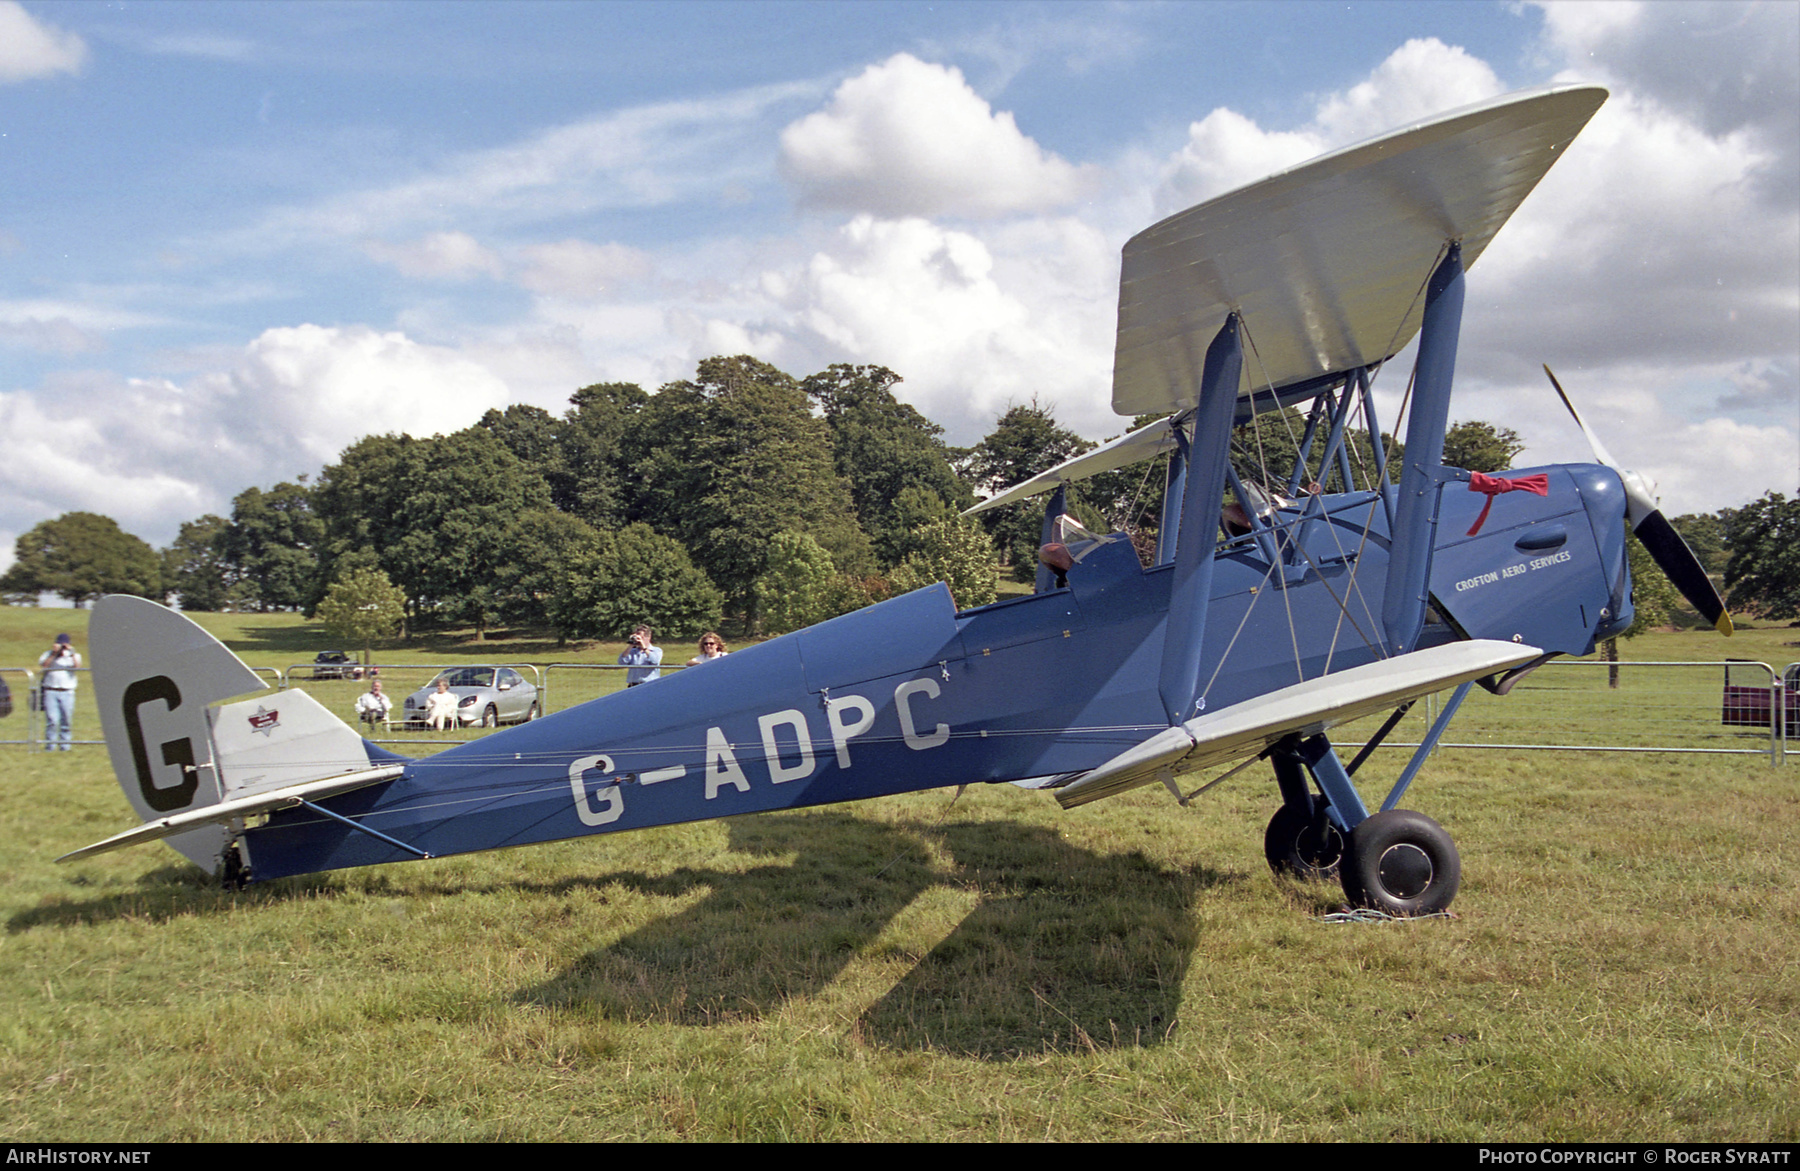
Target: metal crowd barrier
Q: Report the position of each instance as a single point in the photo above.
(21, 687)
(1565, 705)
(584, 681)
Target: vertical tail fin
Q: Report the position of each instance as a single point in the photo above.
(176, 749)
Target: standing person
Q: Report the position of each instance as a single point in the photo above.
(59, 663)
(711, 647)
(642, 656)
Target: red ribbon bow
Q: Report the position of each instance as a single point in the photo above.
(1492, 486)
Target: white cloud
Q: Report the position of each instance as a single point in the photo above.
(1627, 231)
(57, 457)
(311, 390)
(1421, 79)
(55, 335)
(438, 256)
(969, 330)
(644, 156)
(580, 269)
(153, 453)
(910, 138)
(30, 49)
(1226, 150)
(1726, 68)
(1651, 266)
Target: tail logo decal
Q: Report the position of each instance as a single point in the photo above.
(265, 721)
(179, 753)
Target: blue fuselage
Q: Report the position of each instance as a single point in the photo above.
(911, 694)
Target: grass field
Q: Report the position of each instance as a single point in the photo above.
(1623, 965)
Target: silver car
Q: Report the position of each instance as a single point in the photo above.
(488, 696)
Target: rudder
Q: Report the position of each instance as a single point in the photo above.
(176, 747)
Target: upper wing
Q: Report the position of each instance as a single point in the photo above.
(1326, 261)
(1305, 708)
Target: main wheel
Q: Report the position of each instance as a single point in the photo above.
(1299, 846)
(1401, 862)
(490, 718)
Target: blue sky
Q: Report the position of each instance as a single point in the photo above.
(233, 238)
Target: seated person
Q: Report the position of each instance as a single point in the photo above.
(440, 707)
(372, 707)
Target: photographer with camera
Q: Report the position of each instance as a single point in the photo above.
(57, 692)
(642, 656)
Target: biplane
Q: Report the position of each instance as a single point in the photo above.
(1269, 614)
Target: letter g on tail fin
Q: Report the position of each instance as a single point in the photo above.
(155, 672)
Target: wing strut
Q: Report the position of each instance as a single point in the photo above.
(1409, 570)
(1173, 487)
(1059, 504)
(1202, 495)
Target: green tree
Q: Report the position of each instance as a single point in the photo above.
(726, 460)
(536, 552)
(915, 508)
(361, 501)
(1264, 451)
(1130, 499)
(1653, 601)
(634, 575)
(1481, 447)
(363, 606)
(797, 584)
(272, 544)
(956, 552)
(1704, 533)
(81, 555)
(884, 450)
(595, 462)
(1763, 572)
(434, 514)
(1024, 442)
(196, 571)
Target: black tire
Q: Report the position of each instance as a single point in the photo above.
(490, 718)
(532, 713)
(1303, 846)
(1401, 862)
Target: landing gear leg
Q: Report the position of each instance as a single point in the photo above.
(1301, 841)
(233, 873)
(1303, 846)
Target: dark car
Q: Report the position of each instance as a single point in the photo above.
(1749, 702)
(335, 665)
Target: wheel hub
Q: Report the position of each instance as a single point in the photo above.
(1405, 870)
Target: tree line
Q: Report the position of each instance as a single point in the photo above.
(742, 497)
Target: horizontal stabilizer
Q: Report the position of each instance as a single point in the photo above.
(280, 740)
(1304, 709)
(266, 801)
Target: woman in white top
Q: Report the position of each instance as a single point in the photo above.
(440, 707)
(711, 647)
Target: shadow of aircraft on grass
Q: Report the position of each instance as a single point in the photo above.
(1067, 949)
